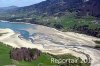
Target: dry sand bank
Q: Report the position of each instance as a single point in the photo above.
(55, 42)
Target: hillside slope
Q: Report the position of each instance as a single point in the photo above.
(51, 7)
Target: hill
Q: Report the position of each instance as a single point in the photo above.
(51, 7)
(81, 16)
(6, 9)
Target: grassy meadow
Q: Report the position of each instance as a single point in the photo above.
(44, 58)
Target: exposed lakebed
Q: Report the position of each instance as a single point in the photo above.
(53, 41)
(17, 27)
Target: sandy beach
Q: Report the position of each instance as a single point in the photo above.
(55, 42)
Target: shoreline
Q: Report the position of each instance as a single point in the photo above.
(49, 27)
(16, 42)
(55, 35)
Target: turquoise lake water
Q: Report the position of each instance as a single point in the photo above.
(17, 27)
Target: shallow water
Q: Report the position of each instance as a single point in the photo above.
(17, 27)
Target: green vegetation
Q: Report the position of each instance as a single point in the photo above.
(97, 44)
(68, 22)
(64, 15)
(2, 34)
(4, 55)
(44, 58)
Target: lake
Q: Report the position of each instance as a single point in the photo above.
(17, 27)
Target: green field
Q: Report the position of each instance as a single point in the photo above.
(44, 58)
(4, 55)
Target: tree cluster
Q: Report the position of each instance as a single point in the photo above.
(25, 54)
